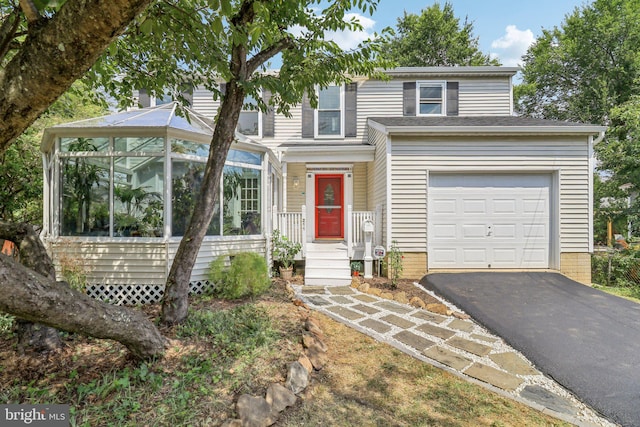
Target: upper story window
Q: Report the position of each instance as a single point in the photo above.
(431, 98)
(330, 112)
(250, 121)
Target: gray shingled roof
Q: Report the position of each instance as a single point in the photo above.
(472, 121)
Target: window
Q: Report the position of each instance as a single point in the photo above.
(329, 115)
(249, 122)
(134, 167)
(431, 98)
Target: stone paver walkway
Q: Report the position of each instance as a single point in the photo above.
(460, 346)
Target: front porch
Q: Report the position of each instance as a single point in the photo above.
(328, 262)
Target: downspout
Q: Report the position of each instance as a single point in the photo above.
(592, 165)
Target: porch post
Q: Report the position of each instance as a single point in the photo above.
(303, 223)
(348, 232)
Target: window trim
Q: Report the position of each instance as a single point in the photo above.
(432, 83)
(316, 122)
(258, 112)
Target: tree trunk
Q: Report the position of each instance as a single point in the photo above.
(30, 292)
(55, 53)
(175, 302)
(39, 338)
(36, 298)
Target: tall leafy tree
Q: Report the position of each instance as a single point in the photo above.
(588, 70)
(207, 42)
(46, 45)
(582, 69)
(21, 164)
(436, 37)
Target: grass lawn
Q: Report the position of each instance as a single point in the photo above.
(227, 349)
(630, 293)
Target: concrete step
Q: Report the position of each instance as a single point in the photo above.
(326, 281)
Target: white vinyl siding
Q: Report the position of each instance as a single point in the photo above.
(414, 157)
(296, 196)
(479, 96)
(144, 263)
(489, 97)
(377, 181)
(212, 248)
(114, 263)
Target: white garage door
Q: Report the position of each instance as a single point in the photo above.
(488, 221)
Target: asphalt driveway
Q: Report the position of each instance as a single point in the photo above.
(585, 339)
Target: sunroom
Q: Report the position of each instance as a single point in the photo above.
(119, 191)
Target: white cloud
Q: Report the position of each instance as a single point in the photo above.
(350, 39)
(346, 39)
(512, 45)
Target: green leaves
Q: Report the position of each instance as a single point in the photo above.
(436, 38)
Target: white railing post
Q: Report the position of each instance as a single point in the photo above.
(303, 229)
(349, 231)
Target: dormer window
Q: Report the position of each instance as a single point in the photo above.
(329, 115)
(431, 99)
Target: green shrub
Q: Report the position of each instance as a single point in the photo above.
(616, 268)
(246, 276)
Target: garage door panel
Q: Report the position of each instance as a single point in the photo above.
(474, 206)
(504, 206)
(444, 206)
(505, 231)
(473, 231)
(444, 231)
(488, 221)
(471, 256)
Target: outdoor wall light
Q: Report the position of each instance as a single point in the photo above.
(296, 182)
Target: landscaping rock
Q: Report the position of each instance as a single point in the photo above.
(279, 397)
(297, 377)
(312, 326)
(462, 316)
(317, 357)
(401, 297)
(386, 295)
(438, 308)
(364, 287)
(375, 291)
(255, 411)
(304, 361)
(417, 302)
(309, 341)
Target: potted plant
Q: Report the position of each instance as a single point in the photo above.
(284, 250)
(356, 268)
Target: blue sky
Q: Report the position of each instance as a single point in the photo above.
(505, 27)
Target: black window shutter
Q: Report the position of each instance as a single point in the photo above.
(307, 117)
(351, 110)
(143, 98)
(268, 118)
(452, 98)
(409, 98)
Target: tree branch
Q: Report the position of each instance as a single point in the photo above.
(268, 53)
(8, 31)
(30, 11)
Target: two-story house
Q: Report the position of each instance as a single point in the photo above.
(435, 158)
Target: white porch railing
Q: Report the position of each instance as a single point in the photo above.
(293, 225)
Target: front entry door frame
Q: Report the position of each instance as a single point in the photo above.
(329, 207)
(346, 170)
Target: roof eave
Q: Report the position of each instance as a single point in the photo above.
(452, 71)
(493, 130)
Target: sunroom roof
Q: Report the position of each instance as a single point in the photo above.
(163, 118)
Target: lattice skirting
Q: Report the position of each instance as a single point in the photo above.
(138, 294)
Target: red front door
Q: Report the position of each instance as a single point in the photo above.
(329, 207)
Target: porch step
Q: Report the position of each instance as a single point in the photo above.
(327, 264)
